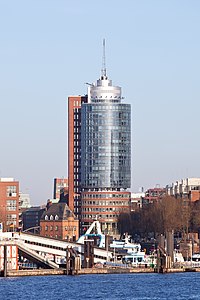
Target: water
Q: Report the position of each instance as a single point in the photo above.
(115, 286)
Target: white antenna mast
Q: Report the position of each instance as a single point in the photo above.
(103, 70)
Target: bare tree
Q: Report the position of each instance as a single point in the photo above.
(164, 215)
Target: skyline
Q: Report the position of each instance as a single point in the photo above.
(49, 49)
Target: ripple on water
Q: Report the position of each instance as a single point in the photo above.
(113, 286)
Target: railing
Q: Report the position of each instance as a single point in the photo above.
(187, 264)
(27, 265)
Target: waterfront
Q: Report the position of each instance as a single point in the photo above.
(115, 286)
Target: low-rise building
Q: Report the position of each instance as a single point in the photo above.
(136, 201)
(31, 219)
(153, 194)
(59, 222)
(24, 204)
(60, 187)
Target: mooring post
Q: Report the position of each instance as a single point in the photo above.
(158, 260)
(67, 261)
(5, 262)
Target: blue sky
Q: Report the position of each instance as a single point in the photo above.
(50, 48)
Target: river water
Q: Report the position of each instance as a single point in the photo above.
(113, 286)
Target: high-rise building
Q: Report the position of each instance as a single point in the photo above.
(100, 153)
(74, 152)
(9, 204)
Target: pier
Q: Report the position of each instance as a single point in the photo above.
(37, 249)
(47, 253)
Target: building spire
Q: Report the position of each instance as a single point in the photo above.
(103, 70)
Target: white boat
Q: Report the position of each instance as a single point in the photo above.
(123, 250)
(132, 253)
(196, 257)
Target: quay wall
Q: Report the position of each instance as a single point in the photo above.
(114, 271)
(87, 271)
(36, 272)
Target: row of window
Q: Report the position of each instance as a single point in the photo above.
(103, 203)
(67, 228)
(101, 115)
(11, 191)
(92, 107)
(11, 205)
(105, 196)
(51, 218)
(104, 128)
(96, 166)
(95, 125)
(99, 216)
(107, 141)
(98, 183)
(109, 155)
(77, 103)
(101, 209)
(96, 100)
(13, 223)
(11, 219)
(109, 148)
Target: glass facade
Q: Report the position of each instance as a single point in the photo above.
(105, 155)
(106, 145)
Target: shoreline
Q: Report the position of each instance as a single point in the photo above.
(92, 271)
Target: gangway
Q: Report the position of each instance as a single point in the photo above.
(35, 257)
(54, 247)
(30, 254)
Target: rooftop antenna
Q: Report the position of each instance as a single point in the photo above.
(103, 70)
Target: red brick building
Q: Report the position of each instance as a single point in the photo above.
(74, 152)
(59, 222)
(9, 204)
(194, 195)
(153, 194)
(106, 207)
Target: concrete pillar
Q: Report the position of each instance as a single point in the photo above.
(5, 265)
(161, 241)
(170, 245)
(88, 253)
(67, 261)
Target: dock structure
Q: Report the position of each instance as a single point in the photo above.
(45, 253)
(37, 249)
(92, 271)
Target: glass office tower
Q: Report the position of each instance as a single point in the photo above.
(106, 138)
(105, 154)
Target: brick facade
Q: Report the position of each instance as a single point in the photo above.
(9, 204)
(59, 222)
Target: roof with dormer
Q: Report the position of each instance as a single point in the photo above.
(58, 211)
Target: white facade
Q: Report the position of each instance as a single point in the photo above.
(6, 179)
(183, 186)
(24, 200)
(136, 200)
